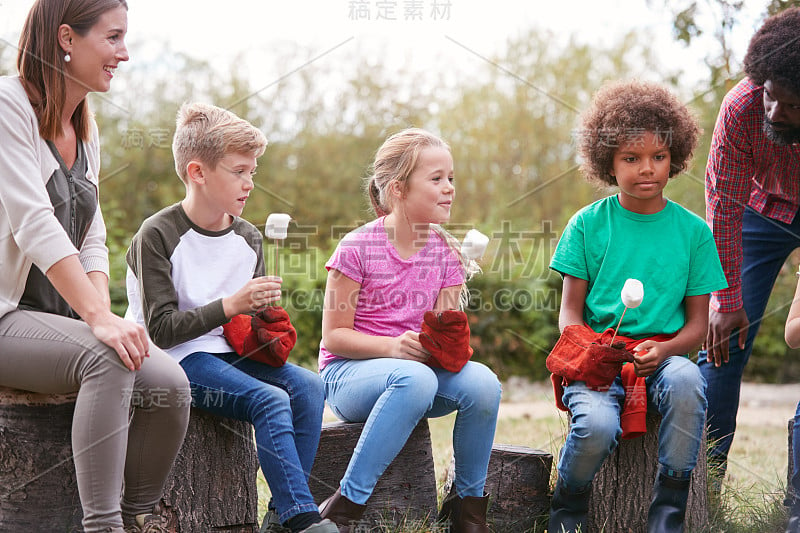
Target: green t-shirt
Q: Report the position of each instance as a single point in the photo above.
(671, 252)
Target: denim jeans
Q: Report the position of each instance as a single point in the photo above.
(392, 396)
(676, 390)
(284, 405)
(766, 244)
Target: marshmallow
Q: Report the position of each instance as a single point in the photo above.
(632, 293)
(474, 245)
(277, 224)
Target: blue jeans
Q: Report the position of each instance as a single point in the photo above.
(284, 405)
(766, 244)
(676, 390)
(392, 396)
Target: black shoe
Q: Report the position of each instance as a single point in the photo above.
(568, 510)
(668, 506)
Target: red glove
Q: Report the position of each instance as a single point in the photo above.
(275, 332)
(236, 331)
(445, 336)
(583, 355)
(267, 337)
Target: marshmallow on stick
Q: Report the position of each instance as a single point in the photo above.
(474, 245)
(632, 295)
(276, 228)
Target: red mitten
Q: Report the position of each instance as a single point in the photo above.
(445, 336)
(275, 335)
(580, 355)
(236, 331)
(267, 337)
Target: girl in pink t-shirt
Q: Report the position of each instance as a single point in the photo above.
(382, 278)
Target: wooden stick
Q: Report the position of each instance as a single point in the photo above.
(277, 244)
(616, 330)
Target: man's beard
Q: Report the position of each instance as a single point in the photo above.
(781, 137)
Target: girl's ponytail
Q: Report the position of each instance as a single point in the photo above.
(375, 197)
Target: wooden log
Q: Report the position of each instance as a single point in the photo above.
(622, 490)
(518, 483)
(212, 486)
(406, 490)
(38, 488)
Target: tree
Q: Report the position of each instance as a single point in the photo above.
(688, 25)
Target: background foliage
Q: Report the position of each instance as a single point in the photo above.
(510, 126)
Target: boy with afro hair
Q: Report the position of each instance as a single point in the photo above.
(752, 199)
(635, 136)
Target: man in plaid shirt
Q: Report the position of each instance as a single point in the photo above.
(752, 199)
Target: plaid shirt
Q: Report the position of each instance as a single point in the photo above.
(745, 168)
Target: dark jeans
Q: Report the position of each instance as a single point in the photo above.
(766, 245)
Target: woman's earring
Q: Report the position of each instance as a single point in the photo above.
(67, 58)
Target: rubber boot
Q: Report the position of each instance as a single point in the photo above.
(466, 515)
(344, 513)
(568, 510)
(668, 507)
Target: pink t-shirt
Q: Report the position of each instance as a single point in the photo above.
(395, 292)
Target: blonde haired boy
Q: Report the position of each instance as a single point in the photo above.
(196, 264)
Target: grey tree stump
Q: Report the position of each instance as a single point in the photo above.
(518, 483)
(38, 488)
(407, 489)
(622, 490)
(212, 486)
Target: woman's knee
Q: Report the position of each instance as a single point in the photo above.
(162, 382)
(100, 361)
(173, 378)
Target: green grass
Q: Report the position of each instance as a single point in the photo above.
(754, 489)
(752, 496)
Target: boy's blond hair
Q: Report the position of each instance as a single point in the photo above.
(206, 133)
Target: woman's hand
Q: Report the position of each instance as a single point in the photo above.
(81, 292)
(254, 295)
(407, 346)
(127, 338)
